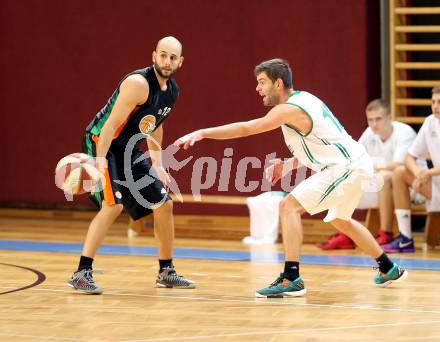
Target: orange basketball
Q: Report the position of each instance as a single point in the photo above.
(76, 174)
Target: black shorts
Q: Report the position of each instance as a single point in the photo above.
(134, 185)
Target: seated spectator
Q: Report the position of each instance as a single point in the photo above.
(387, 142)
(424, 181)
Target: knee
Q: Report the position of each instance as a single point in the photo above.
(117, 209)
(387, 175)
(342, 225)
(114, 209)
(168, 205)
(287, 206)
(399, 173)
(417, 187)
(165, 208)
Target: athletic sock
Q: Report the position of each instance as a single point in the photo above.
(84, 263)
(385, 264)
(164, 263)
(404, 222)
(291, 270)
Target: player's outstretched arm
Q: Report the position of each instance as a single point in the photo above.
(272, 120)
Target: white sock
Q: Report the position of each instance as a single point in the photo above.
(404, 222)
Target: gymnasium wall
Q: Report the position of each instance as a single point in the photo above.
(62, 59)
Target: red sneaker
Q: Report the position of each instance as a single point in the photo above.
(322, 244)
(337, 241)
(384, 237)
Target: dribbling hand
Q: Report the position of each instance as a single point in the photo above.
(163, 176)
(274, 172)
(102, 165)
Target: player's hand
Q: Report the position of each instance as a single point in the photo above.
(102, 165)
(190, 139)
(380, 166)
(274, 172)
(423, 176)
(416, 185)
(162, 175)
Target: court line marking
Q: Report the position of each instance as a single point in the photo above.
(263, 301)
(41, 277)
(256, 301)
(214, 254)
(290, 331)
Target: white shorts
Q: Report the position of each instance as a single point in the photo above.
(433, 205)
(369, 200)
(337, 190)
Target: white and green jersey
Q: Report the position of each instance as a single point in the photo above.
(327, 143)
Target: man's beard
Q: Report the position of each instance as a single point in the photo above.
(272, 100)
(159, 71)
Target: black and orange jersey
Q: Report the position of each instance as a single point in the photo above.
(144, 118)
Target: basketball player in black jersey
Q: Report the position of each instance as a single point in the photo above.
(142, 101)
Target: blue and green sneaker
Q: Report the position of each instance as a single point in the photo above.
(396, 274)
(283, 287)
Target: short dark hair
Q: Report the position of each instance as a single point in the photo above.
(379, 103)
(276, 68)
(436, 89)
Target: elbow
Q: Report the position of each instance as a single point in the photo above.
(245, 132)
(108, 129)
(108, 132)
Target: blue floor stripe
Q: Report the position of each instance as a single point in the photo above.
(212, 254)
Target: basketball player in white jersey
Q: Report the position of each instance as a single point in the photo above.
(387, 143)
(317, 140)
(424, 181)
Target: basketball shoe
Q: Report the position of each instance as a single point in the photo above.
(169, 278)
(337, 241)
(395, 274)
(383, 237)
(401, 244)
(283, 287)
(83, 281)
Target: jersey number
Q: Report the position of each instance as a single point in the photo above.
(326, 113)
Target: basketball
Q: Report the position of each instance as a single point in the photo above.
(76, 174)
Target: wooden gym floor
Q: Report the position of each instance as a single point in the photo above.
(38, 255)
